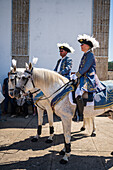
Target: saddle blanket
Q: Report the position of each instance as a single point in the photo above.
(61, 95)
(38, 97)
(104, 98)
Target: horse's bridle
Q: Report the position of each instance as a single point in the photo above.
(27, 79)
(15, 79)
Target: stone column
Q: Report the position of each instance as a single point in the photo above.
(101, 13)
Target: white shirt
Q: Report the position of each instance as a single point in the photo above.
(58, 69)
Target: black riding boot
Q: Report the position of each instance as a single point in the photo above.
(80, 106)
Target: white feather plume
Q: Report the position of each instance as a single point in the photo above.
(66, 45)
(26, 65)
(89, 38)
(34, 61)
(14, 62)
(11, 68)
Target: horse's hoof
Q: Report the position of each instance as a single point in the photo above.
(61, 152)
(48, 141)
(62, 161)
(93, 134)
(82, 129)
(34, 140)
(111, 153)
(74, 119)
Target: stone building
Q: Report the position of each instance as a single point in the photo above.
(101, 15)
(33, 28)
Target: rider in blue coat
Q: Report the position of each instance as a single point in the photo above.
(64, 65)
(86, 74)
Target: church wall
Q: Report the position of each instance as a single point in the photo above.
(53, 22)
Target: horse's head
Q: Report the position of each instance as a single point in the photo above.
(12, 81)
(25, 82)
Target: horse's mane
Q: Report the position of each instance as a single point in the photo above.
(48, 75)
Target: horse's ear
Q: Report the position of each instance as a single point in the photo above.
(30, 66)
(11, 68)
(14, 62)
(27, 66)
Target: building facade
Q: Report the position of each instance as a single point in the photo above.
(33, 28)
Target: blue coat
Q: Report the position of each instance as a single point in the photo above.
(65, 68)
(87, 73)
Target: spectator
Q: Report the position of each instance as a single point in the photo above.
(6, 95)
(1, 100)
(13, 103)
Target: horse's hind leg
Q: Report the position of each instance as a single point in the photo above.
(83, 127)
(88, 121)
(66, 122)
(94, 128)
(39, 123)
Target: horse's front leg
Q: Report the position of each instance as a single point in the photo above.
(39, 123)
(50, 120)
(66, 122)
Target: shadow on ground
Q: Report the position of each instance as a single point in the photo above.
(40, 144)
(51, 161)
(20, 122)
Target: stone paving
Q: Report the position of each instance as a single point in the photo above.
(88, 153)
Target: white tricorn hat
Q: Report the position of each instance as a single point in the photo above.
(86, 39)
(65, 47)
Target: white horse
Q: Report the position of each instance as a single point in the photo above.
(14, 76)
(49, 81)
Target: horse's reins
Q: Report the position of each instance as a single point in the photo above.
(64, 86)
(70, 82)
